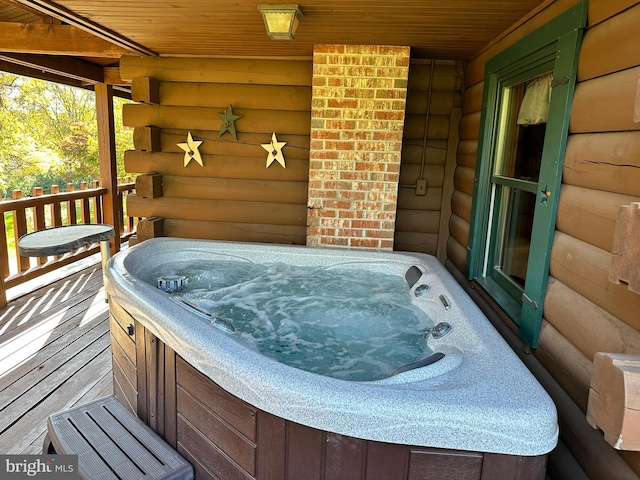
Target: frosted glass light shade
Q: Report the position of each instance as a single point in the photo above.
(281, 21)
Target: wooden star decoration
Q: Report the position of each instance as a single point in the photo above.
(191, 150)
(275, 151)
(228, 123)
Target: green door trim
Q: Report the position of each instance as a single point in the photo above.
(560, 37)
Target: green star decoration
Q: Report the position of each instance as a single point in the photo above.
(228, 123)
(191, 150)
(275, 151)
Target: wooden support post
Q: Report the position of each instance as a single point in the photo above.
(107, 157)
(614, 399)
(149, 186)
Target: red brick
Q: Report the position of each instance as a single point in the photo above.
(327, 213)
(387, 115)
(378, 234)
(344, 103)
(337, 204)
(386, 244)
(340, 124)
(330, 145)
(397, 136)
(356, 134)
(365, 242)
(347, 214)
(346, 195)
(328, 48)
(333, 135)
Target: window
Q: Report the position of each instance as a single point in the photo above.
(527, 99)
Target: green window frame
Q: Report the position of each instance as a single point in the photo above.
(554, 47)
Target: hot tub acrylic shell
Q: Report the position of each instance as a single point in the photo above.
(479, 397)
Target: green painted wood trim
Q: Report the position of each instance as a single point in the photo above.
(562, 35)
(516, 183)
(544, 220)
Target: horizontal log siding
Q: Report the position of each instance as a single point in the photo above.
(233, 196)
(418, 216)
(584, 313)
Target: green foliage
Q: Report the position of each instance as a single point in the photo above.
(48, 135)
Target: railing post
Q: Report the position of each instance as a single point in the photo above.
(20, 229)
(4, 260)
(56, 209)
(97, 203)
(86, 210)
(38, 218)
(72, 215)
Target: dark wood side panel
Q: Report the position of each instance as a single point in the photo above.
(386, 461)
(211, 458)
(439, 464)
(229, 408)
(271, 444)
(126, 342)
(151, 362)
(212, 427)
(122, 389)
(122, 317)
(508, 467)
(305, 452)
(123, 350)
(123, 360)
(227, 439)
(142, 409)
(344, 457)
(170, 400)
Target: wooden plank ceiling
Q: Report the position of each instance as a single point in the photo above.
(450, 29)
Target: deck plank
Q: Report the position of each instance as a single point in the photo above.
(54, 354)
(34, 422)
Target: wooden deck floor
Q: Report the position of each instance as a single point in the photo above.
(54, 354)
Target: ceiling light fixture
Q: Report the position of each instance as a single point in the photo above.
(281, 21)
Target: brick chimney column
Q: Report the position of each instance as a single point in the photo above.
(357, 121)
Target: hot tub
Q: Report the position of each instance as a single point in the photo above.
(474, 400)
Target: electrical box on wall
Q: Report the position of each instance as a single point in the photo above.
(421, 186)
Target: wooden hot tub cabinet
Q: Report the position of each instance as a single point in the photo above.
(226, 438)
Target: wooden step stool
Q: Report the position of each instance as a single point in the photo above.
(112, 443)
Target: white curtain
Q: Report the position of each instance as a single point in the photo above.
(535, 104)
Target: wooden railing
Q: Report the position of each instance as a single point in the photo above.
(22, 215)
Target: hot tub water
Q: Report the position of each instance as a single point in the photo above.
(334, 322)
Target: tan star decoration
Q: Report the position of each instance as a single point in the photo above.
(275, 151)
(191, 150)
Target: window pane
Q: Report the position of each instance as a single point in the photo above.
(516, 221)
(519, 146)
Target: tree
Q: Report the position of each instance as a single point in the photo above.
(48, 134)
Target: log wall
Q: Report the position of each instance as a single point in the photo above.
(233, 196)
(425, 149)
(584, 313)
